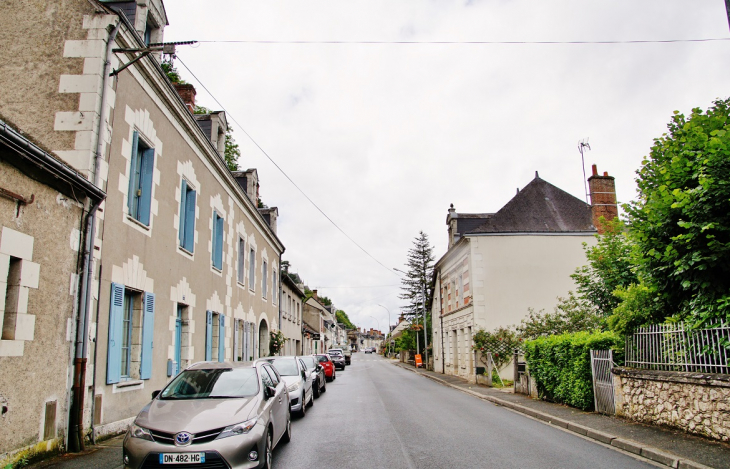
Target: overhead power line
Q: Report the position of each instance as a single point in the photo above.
(636, 41)
(229, 115)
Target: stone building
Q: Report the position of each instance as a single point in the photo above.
(185, 265)
(498, 265)
(43, 211)
(292, 298)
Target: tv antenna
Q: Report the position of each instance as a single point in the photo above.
(582, 146)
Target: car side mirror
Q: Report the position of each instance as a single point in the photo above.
(155, 393)
(269, 392)
(304, 374)
(319, 367)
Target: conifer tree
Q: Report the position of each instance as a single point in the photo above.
(418, 273)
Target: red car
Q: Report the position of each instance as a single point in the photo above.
(329, 367)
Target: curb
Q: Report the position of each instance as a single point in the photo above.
(633, 447)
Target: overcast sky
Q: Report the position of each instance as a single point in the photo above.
(383, 137)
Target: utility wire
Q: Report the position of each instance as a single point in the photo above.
(638, 41)
(279, 167)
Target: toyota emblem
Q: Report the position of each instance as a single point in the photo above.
(183, 439)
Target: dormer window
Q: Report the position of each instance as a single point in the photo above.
(148, 33)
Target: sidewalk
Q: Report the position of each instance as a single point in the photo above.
(107, 454)
(662, 445)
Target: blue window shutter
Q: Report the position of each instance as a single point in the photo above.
(215, 237)
(114, 345)
(218, 253)
(190, 221)
(208, 335)
(148, 333)
(133, 183)
(183, 211)
(148, 160)
(222, 338)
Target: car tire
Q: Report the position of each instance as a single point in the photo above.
(286, 437)
(316, 389)
(334, 375)
(324, 386)
(268, 449)
(311, 399)
(303, 410)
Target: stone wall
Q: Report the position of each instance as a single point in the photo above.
(694, 402)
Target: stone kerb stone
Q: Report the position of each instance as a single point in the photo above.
(697, 403)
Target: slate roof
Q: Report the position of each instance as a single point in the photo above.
(538, 208)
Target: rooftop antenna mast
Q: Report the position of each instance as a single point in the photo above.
(582, 146)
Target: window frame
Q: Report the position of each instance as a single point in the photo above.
(241, 261)
(252, 269)
(264, 278)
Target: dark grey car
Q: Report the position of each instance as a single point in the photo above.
(213, 414)
(319, 383)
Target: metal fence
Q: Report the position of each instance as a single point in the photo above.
(677, 347)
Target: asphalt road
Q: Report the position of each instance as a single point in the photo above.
(376, 415)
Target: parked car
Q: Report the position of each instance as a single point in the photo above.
(319, 383)
(346, 351)
(369, 349)
(229, 414)
(298, 381)
(337, 358)
(341, 351)
(330, 374)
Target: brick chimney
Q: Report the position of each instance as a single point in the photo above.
(603, 198)
(314, 294)
(187, 93)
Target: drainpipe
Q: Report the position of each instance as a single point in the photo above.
(76, 439)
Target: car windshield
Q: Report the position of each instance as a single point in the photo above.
(309, 361)
(211, 384)
(322, 359)
(285, 366)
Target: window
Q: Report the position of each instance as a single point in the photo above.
(131, 327)
(274, 291)
(241, 252)
(251, 269)
(12, 295)
(140, 180)
(215, 333)
(187, 216)
(217, 254)
(264, 276)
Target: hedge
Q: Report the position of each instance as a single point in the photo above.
(561, 365)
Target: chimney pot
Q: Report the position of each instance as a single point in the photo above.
(595, 170)
(605, 173)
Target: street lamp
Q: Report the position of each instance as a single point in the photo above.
(389, 325)
(425, 337)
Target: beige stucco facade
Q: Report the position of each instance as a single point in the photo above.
(490, 281)
(291, 316)
(54, 87)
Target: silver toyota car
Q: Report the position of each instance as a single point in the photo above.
(298, 380)
(212, 415)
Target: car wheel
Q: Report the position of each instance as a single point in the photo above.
(303, 411)
(324, 386)
(334, 375)
(266, 463)
(315, 389)
(311, 399)
(286, 438)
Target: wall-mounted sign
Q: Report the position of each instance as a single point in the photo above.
(316, 337)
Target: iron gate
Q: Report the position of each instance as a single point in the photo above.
(601, 366)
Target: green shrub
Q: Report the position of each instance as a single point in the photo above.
(561, 365)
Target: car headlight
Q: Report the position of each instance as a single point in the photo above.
(139, 432)
(293, 387)
(238, 429)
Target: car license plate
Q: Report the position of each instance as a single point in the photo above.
(182, 458)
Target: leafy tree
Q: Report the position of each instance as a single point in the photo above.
(572, 314)
(610, 265)
(232, 152)
(172, 73)
(420, 270)
(344, 319)
(681, 222)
